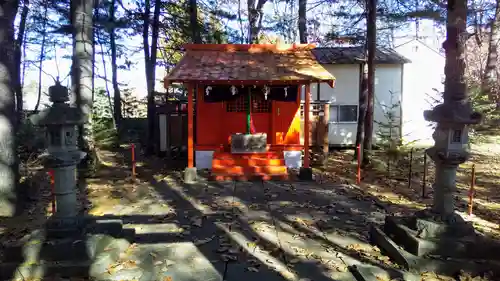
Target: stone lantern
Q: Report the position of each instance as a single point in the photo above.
(451, 148)
(60, 121)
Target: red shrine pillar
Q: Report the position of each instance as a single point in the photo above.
(307, 107)
(306, 171)
(190, 172)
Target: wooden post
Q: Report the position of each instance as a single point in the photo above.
(410, 171)
(307, 105)
(190, 140)
(325, 124)
(274, 111)
(424, 180)
(358, 167)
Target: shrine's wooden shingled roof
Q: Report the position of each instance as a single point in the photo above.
(248, 64)
(356, 55)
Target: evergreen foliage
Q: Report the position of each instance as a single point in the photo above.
(330, 22)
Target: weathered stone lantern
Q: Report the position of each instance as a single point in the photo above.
(62, 155)
(451, 148)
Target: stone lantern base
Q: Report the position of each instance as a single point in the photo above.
(59, 227)
(425, 242)
(68, 254)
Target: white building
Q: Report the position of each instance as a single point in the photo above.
(422, 86)
(409, 76)
(346, 63)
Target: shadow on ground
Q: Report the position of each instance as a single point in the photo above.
(32, 200)
(270, 230)
(243, 230)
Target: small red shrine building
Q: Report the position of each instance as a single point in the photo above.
(247, 107)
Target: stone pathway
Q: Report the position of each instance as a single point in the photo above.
(245, 231)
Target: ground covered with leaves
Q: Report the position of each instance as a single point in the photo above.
(270, 230)
(401, 188)
(245, 230)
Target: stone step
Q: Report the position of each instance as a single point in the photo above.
(408, 238)
(88, 224)
(439, 265)
(259, 155)
(242, 170)
(112, 227)
(448, 246)
(55, 250)
(374, 273)
(81, 248)
(37, 271)
(227, 162)
(249, 177)
(89, 256)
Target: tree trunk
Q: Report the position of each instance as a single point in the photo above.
(18, 57)
(454, 98)
(24, 61)
(489, 79)
(193, 18)
(82, 67)
(302, 21)
(363, 98)
(149, 79)
(240, 21)
(8, 156)
(41, 57)
(454, 46)
(106, 84)
(371, 41)
(151, 75)
(255, 16)
(117, 100)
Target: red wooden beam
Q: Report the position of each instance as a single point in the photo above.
(306, 124)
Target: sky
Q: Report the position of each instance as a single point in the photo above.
(134, 78)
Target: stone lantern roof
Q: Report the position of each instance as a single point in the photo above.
(60, 113)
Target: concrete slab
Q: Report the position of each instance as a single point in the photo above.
(177, 261)
(373, 273)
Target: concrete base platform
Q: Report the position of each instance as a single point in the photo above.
(445, 266)
(412, 241)
(178, 261)
(423, 237)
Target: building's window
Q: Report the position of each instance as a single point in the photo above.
(315, 109)
(240, 104)
(343, 113)
(260, 104)
(457, 136)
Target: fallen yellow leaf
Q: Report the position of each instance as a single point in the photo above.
(252, 269)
